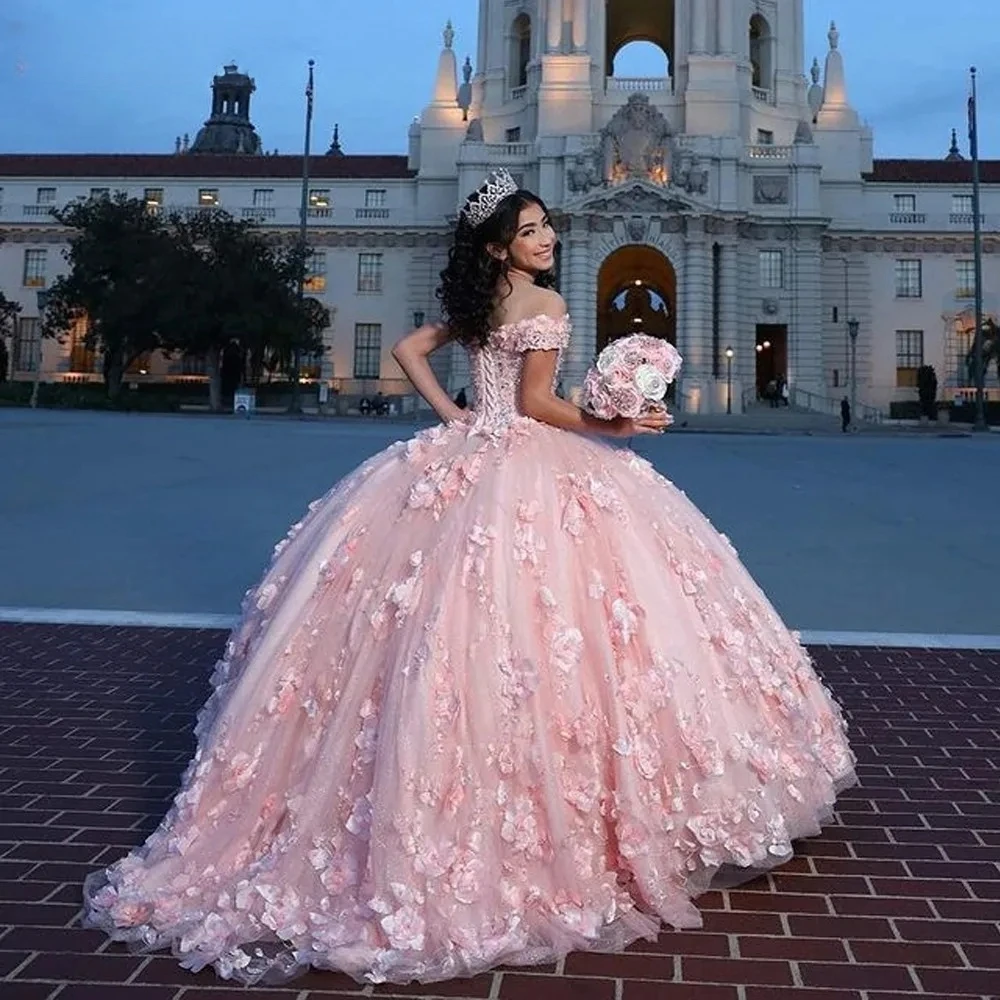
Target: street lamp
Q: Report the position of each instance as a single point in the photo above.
(43, 300)
(852, 332)
(729, 380)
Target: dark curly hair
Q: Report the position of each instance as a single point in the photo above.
(470, 284)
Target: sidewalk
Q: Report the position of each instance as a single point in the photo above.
(900, 898)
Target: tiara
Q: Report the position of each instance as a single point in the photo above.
(483, 202)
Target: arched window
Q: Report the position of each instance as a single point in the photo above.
(760, 52)
(520, 54)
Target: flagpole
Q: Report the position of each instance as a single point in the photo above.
(980, 420)
(303, 240)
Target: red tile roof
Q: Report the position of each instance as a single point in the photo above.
(932, 172)
(127, 165)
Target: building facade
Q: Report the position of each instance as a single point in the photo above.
(733, 204)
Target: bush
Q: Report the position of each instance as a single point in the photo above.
(906, 409)
(927, 391)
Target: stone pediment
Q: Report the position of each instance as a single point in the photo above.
(635, 198)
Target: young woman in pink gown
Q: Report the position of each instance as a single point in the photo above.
(503, 694)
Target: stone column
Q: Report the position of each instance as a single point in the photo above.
(554, 25)
(729, 332)
(805, 335)
(725, 24)
(695, 326)
(581, 14)
(579, 289)
(699, 27)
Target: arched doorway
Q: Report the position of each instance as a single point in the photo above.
(636, 293)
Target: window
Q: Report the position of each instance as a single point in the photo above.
(904, 203)
(263, 197)
(909, 279)
(27, 344)
(316, 272)
(82, 358)
(98, 193)
(965, 279)
(771, 269)
(35, 262)
(369, 272)
(909, 356)
(520, 51)
(513, 134)
(319, 198)
(208, 197)
(45, 196)
(375, 198)
(154, 200)
(765, 137)
(367, 350)
(961, 204)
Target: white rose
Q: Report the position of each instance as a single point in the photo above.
(607, 358)
(650, 382)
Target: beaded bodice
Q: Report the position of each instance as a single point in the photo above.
(496, 368)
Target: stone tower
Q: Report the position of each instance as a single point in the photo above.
(229, 129)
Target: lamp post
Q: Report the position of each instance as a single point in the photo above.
(729, 380)
(295, 405)
(852, 332)
(43, 301)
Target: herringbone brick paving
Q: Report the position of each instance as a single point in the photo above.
(900, 898)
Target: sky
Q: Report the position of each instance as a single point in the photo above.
(131, 75)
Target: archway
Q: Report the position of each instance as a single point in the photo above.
(638, 21)
(636, 293)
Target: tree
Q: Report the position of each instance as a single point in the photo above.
(234, 289)
(991, 350)
(119, 279)
(927, 391)
(8, 326)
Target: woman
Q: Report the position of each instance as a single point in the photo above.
(468, 718)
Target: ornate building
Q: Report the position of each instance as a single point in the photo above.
(732, 203)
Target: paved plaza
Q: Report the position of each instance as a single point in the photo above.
(175, 516)
(867, 533)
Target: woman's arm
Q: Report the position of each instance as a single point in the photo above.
(411, 354)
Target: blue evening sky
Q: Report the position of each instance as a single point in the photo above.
(130, 75)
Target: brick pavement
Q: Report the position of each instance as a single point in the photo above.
(901, 897)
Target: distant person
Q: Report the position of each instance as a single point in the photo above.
(783, 391)
(845, 414)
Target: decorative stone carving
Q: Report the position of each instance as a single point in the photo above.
(637, 198)
(474, 133)
(636, 143)
(770, 189)
(770, 307)
(582, 174)
(636, 228)
(690, 175)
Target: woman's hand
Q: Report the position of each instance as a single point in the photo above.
(654, 422)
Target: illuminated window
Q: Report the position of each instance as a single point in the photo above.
(965, 279)
(154, 200)
(909, 356)
(316, 273)
(208, 197)
(35, 264)
(319, 198)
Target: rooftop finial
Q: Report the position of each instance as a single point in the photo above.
(834, 35)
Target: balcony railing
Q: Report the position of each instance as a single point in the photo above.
(371, 213)
(34, 211)
(316, 212)
(258, 213)
(507, 150)
(907, 218)
(517, 93)
(639, 84)
(768, 151)
(965, 219)
(763, 95)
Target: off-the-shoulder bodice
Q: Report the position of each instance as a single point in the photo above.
(496, 368)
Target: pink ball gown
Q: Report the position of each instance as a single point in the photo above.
(503, 694)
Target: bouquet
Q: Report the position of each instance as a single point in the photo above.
(630, 377)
